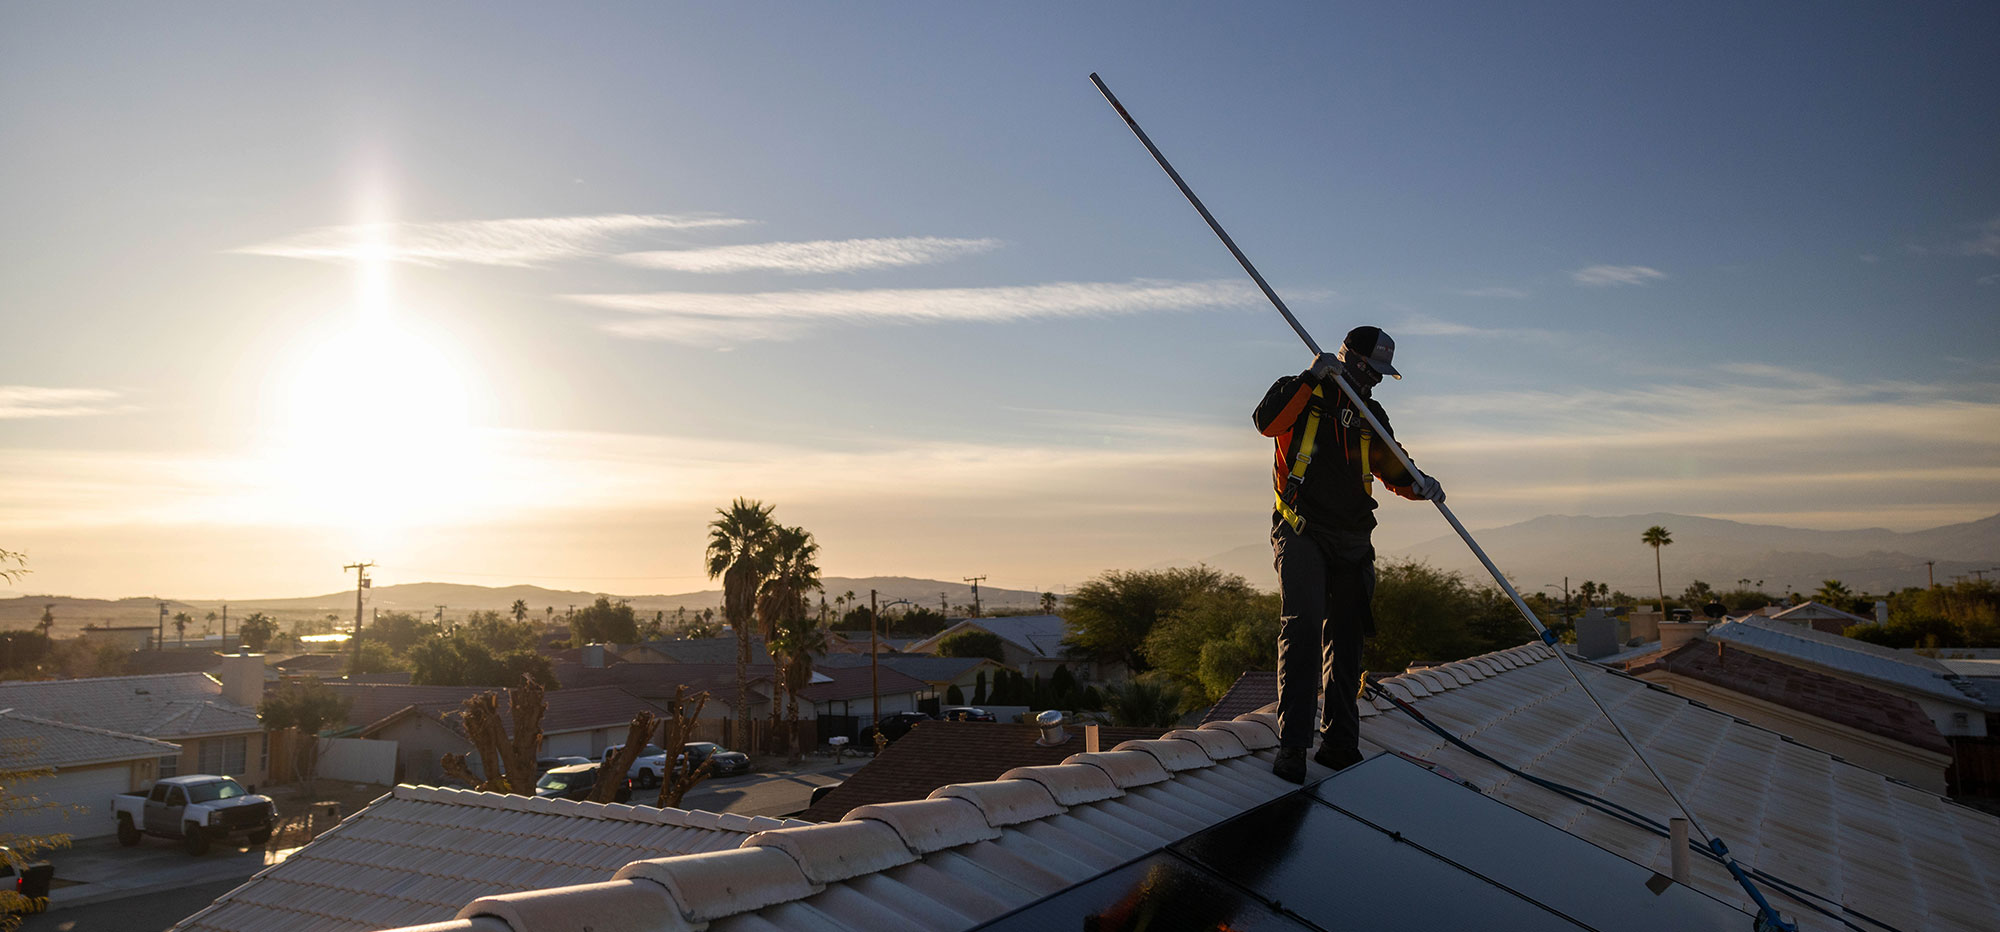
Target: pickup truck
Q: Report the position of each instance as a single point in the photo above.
(646, 769)
(196, 809)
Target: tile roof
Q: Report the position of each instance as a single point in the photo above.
(152, 662)
(657, 680)
(167, 705)
(417, 854)
(850, 683)
(1810, 610)
(1839, 654)
(710, 650)
(1253, 690)
(930, 669)
(936, 754)
(30, 741)
(1843, 701)
(1847, 838)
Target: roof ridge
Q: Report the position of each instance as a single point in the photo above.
(812, 858)
(576, 808)
(87, 729)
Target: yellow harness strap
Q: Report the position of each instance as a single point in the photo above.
(1300, 462)
(1367, 475)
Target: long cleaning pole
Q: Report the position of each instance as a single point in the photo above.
(1548, 637)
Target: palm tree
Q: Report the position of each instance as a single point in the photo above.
(1833, 592)
(737, 541)
(48, 621)
(181, 620)
(781, 600)
(801, 640)
(1657, 537)
(520, 610)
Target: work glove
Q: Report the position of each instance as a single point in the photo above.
(1324, 366)
(1429, 488)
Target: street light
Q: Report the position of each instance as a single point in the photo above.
(874, 664)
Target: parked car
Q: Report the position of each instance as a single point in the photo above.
(32, 883)
(197, 809)
(721, 762)
(966, 713)
(646, 769)
(575, 781)
(895, 725)
(545, 764)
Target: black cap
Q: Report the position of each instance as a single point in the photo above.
(1371, 344)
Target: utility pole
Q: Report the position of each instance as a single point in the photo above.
(440, 616)
(975, 581)
(160, 640)
(943, 609)
(225, 624)
(361, 582)
(874, 674)
(1930, 572)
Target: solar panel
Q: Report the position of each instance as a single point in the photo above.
(1516, 850)
(1160, 893)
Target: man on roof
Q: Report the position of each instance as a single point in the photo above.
(1326, 463)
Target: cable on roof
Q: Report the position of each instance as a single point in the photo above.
(1632, 817)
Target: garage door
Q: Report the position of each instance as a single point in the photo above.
(90, 790)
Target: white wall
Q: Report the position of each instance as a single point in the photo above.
(358, 760)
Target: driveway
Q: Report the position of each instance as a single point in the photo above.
(100, 869)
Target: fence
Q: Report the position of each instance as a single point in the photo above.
(723, 731)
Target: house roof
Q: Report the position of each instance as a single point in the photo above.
(167, 706)
(153, 662)
(30, 741)
(1837, 654)
(709, 650)
(312, 663)
(937, 754)
(930, 669)
(658, 680)
(1843, 837)
(583, 709)
(1846, 702)
(419, 853)
(1253, 690)
(1809, 609)
(850, 683)
(1041, 635)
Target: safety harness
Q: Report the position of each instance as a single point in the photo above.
(1290, 478)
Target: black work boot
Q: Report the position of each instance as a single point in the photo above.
(1290, 765)
(1334, 758)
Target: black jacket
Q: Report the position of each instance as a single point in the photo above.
(1335, 494)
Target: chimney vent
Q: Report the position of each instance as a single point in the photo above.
(1881, 612)
(243, 679)
(593, 656)
(1053, 732)
(1675, 633)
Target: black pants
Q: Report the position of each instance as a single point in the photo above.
(1327, 581)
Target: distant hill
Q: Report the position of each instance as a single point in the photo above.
(73, 614)
(1545, 549)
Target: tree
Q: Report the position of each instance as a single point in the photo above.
(309, 707)
(13, 565)
(1833, 592)
(499, 636)
(460, 660)
(508, 760)
(1111, 615)
(683, 717)
(601, 622)
(737, 540)
(520, 611)
(973, 642)
(1143, 702)
(1657, 537)
(979, 688)
(610, 774)
(1207, 643)
(257, 630)
(15, 800)
(374, 657)
(48, 622)
(954, 695)
(181, 620)
(1048, 603)
(399, 631)
(1698, 594)
(792, 637)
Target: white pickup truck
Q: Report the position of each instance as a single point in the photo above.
(197, 809)
(647, 769)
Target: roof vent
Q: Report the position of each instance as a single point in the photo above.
(1053, 732)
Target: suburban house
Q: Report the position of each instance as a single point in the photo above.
(214, 722)
(1032, 644)
(656, 682)
(938, 754)
(1967, 715)
(427, 722)
(1815, 615)
(940, 674)
(693, 650)
(416, 855)
(1506, 800)
(1882, 731)
(90, 766)
(847, 695)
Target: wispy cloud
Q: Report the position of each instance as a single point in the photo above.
(814, 257)
(1985, 241)
(1606, 275)
(704, 316)
(1428, 326)
(1494, 291)
(30, 401)
(524, 241)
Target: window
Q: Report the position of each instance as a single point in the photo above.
(224, 755)
(159, 793)
(264, 754)
(170, 766)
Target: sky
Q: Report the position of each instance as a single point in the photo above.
(521, 293)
